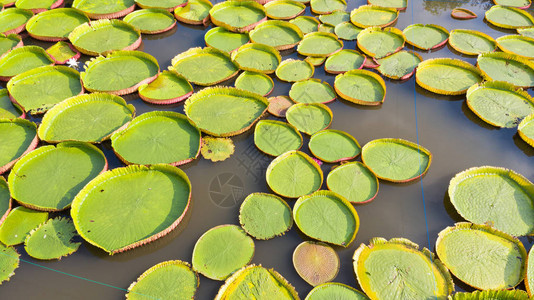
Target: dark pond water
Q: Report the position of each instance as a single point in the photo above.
(417, 211)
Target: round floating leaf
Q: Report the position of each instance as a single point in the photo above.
(294, 174)
(38, 6)
(529, 278)
(284, 9)
(221, 251)
(104, 36)
(265, 216)
(316, 263)
(335, 18)
(169, 5)
(39, 89)
(334, 290)
(319, 44)
(105, 9)
(293, 70)
(447, 76)
(517, 44)
(8, 109)
(426, 37)
(156, 197)
(396, 160)
(23, 59)
(507, 67)
(377, 42)
(529, 31)
(323, 7)
(481, 256)
(56, 24)
(17, 137)
(61, 52)
(526, 129)
(397, 269)
(18, 224)
(509, 17)
(225, 111)
(196, 12)
(499, 103)
(471, 42)
(257, 58)
(13, 20)
(256, 282)
(151, 20)
(204, 66)
(309, 117)
(70, 119)
(52, 240)
(217, 149)
(501, 295)
(315, 61)
(9, 42)
(371, 15)
(312, 91)
(5, 200)
(275, 137)
(279, 105)
(237, 15)
(306, 24)
(278, 34)
(168, 88)
(327, 217)
(343, 61)
(9, 262)
(347, 31)
(171, 279)
(400, 65)
(354, 181)
(396, 4)
(522, 4)
(224, 40)
(463, 14)
(361, 87)
(158, 137)
(334, 146)
(258, 83)
(497, 196)
(120, 72)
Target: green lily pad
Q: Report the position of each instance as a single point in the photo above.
(334, 18)
(224, 40)
(238, 15)
(23, 59)
(372, 15)
(481, 256)
(17, 137)
(499, 103)
(319, 44)
(169, 87)
(151, 20)
(354, 181)
(221, 251)
(309, 117)
(158, 137)
(157, 197)
(18, 224)
(284, 9)
(526, 129)
(396, 160)
(361, 87)
(323, 7)
(529, 31)
(380, 42)
(13, 20)
(105, 9)
(171, 279)
(8, 109)
(279, 34)
(426, 37)
(517, 44)
(225, 111)
(257, 58)
(217, 149)
(120, 72)
(306, 24)
(396, 4)
(447, 76)
(204, 66)
(9, 262)
(312, 91)
(327, 29)
(509, 17)
(258, 83)
(327, 217)
(5, 200)
(400, 65)
(385, 270)
(52, 240)
(347, 31)
(471, 42)
(343, 61)
(195, 12)
(168, 5)
(292, 70)
(256, 282)
(334, 146)
(334, 290)
(56, 24)
(482, 295)
(40, 89)
(529, 277)
(61, 52)
(315, 61)
(279, 105)
(265, 216)
(507, 67)
(9, 42)
(522, 4)
(276, 137)
(316, 262)
(294, 174)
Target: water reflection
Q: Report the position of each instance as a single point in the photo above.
(437, 7)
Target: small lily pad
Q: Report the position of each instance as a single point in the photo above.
(316, 262)
(279, 105)
(258, 83)
(372, 15)
(204, 66)
(354, 181)
(309, 117)
(265, 216)
(326, 28)
(238, 15)
(195, 12)
(56, 24)
(507, 67)
(284, 9)
(8, 109)
(335, 18)
(23, 59)
(343, 61)
(501, 295)
(278, 34)
(19, 223)
(526, 129)
(396, 4)
(292, 70)
(168, 88)
(61, 52)
(334, 146)
(471, 42)
(334, 290)
(224, 40)
(517, 44)
(17, 137)
(323, 7)
(217, 149)
(52, 240)
(347, 31)
(275, 137)
(168, 5)
(400, 65)
(9, 263)
(521, 4)
(361, 87)
(9, 42)
(312, 91)
(447, 76)
(463, 14)
(105, 9)
(377, 42)
(319, 44)
(509, 17)
(306, 24)
(151, 20)
(426, 37)
(13, 20)
(315, 61)
(257, 58)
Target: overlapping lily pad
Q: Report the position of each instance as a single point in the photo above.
(528, 31)
(17, 137)
(38, 6)
(55, 25)
(335, 18)
(52, 240)
(343, 61)
(8, 109)
(481, 256)
(377, 42)
(315, 60)
(396, 4)
(306, 24)
(5, 200)
(323, 7)
(68, 121)
(521, 4)
(347, 31)
(257, 58)
(168, 5)
(386, 268)
(151, 20)
(279, 105)
(354, 181)
(237, 15)
(491, 294)
(426, 37)
(61, 52)
(319, 44)
(204, 66)
(316, 263)
(507, 67)
(13, 20)
(463, 14)
(23, 59)
(105, 9)
(276, 137)
(217, 149)
(509, 17)
(361, 87)
(9, 42)
(517, 44)
(526, 129)
(8, 264)
(400, 65)
(372, 15)
(157, 197)
(326, 28)
(19, 223)
(258, 83)
(447, 76)
(265, 216)
(309, 117)
(224, 40)
(278, 34)
(471, 42)
(334, 146)
(529, 277)
(168, 88)
(327, 217)
(334, 290)
(292, 70)
(312, 91)
(195, 12)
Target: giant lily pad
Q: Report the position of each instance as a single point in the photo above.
(49, 177)
(482, 256)
(517, 44)
(276, 137)
(309, 117)
(509, 17)
(224, 40)
(158, 137)
(447, 76)
(9, 262)
(38, 6)
(323, 7)
(500, 294)
(292, 70)
(396, 4)
(256, 282)
(168, 88)
(396, 160)
(105, 9)
(225, 111)
(400, 65)
(397, 269)
(319, 44)
(217, 149)
(70, 119)
(529, 278)
(361, 87)
(265, 216)
(507, 67)
(9, 42)
(52, 240)
(371, 15)
(378, 42)
(237, 15)
(157, 197)
(13, 20)
(257, 58)
(55, 25)
(196, 12)
(426, 37)
(294, 174)
(327, 217)
(529, 31)
(343, 61)
(471, 42)
(335, 18)
(497, 196)
(334, 290)
(8, 109)
(526, 129)
(171, 279)
(312, 91)
(204, 66)
(151, 20)
(258, 83)
(221, 251)
(5, 200)
(499, 103)
(23, 59)
(120, 72)
(278, 34)
(19, 223)
(168, 5)
(316, 263)
(39, 89)
(104, 36)
(306, 24)
(284, 9)
(17, 137)
(354, 181)
(61, 52)
(347, 31)
(334, 146)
